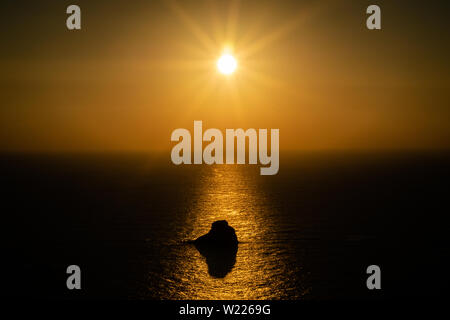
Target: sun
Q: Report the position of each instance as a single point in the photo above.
(227, 64)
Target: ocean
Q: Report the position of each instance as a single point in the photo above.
(307, 233)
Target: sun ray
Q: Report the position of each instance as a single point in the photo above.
(195, 28)
(263, 79)
(218, 28)
(247, 36)
(206, 82)
(233, 16)
(282, 31)
(203, 88)
(237, 101)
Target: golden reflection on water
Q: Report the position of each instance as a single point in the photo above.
(231, 192)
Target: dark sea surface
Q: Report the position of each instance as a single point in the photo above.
(308, 232)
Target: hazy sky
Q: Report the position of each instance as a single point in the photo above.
(140, 69)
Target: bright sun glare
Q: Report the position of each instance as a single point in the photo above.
(227, 64)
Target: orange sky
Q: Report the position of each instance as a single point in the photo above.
(136, 71)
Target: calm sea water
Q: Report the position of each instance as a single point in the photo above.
(307, 233)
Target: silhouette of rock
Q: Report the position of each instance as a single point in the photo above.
(219, 246)
(221, 234)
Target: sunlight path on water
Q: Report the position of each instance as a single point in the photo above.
(261, 270)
